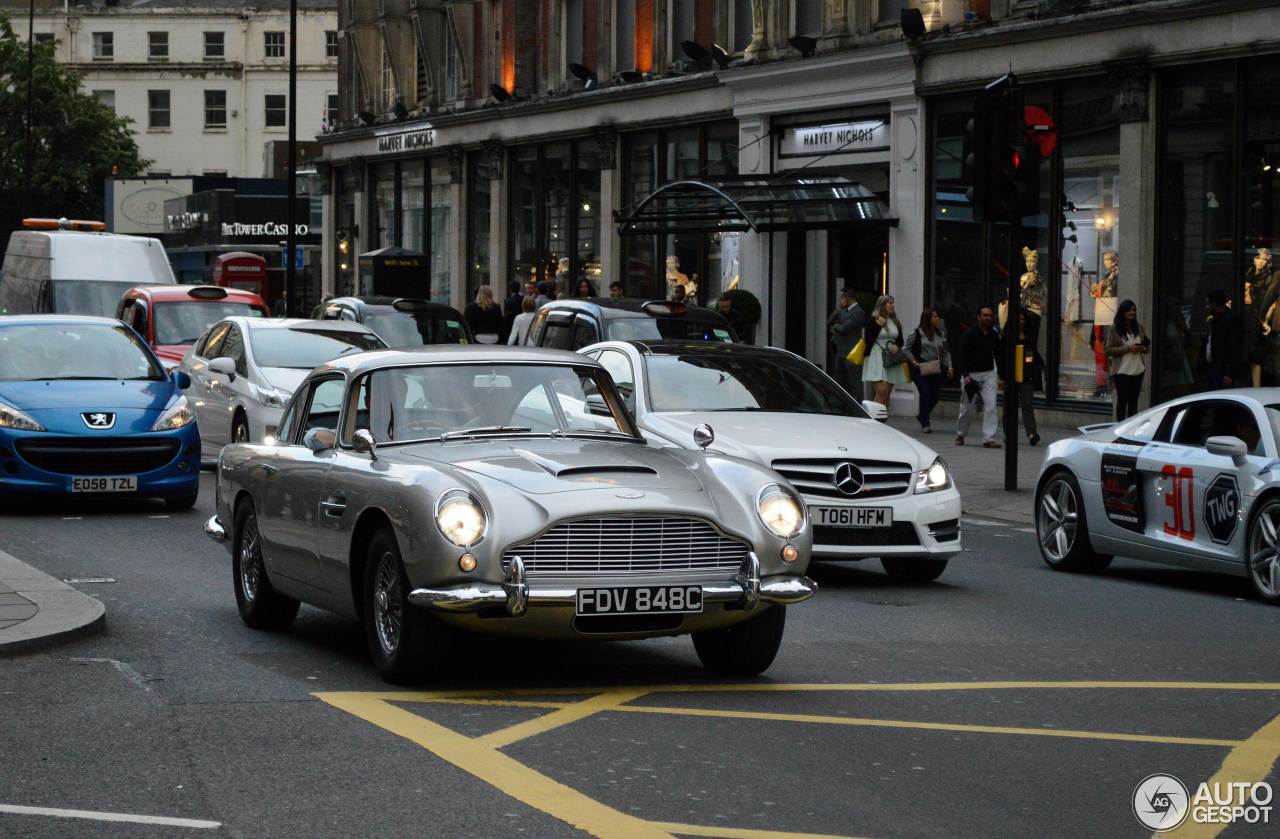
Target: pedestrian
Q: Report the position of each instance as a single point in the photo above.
(1022, 394)
(845, 325)
(584, 288)
(930, 362)
(1223, 345)
(882, 365)
(531, 288)
(1127, 347)
(615, 290)
(510, 310)
(484, 317)
(978, 366)
(679, 295)
(543, 295)
(280, 309)
(520, 326)
(739, 324)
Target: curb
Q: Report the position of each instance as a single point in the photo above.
(65, 613)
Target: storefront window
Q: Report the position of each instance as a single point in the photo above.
(1262, 222)
(478, 221)
(555, 191)
(384, 204)
(640, 178)
(587, 200)
(523, 230)
(442, 232)
(412, 196)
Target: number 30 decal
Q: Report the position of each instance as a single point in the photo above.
(1180, 499)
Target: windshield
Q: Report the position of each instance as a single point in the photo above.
(306, 349)
(32, 352)
(402, 329)
(185, 322)
(461, 400)
(755, 382)
(88, 297)
(676, 329)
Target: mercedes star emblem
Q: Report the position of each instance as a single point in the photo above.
(848, 479)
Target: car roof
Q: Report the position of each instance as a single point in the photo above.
(453, 353)
(626, 307)
(309, 323)
(380, 300)
(17, 320)
(166, 293)
(662, 346)
(1265, 395)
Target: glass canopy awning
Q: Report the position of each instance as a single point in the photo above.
(755, 203)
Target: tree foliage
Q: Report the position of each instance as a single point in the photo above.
(76, 139)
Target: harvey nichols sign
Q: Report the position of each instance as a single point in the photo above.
(402, 141)
(836, 138)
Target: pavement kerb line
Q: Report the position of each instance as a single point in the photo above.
(97, 816)
(561, 716)
(1249, 762)
(493, 767)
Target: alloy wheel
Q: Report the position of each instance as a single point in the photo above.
(240, 433)
(387, 603)
(1057, 520)
(1264, 550)
(250, 559)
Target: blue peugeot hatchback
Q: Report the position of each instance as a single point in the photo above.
(87, 409)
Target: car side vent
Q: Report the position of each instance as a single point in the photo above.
(605, 470)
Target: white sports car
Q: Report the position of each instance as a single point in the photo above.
(871, 490)
(1194, 482)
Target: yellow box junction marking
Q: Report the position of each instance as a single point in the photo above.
(1249, 762)
(1249, 759)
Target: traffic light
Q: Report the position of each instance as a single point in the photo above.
(1000, 167)
(1024, 190)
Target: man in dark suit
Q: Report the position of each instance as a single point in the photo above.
(845, 325)
(1223, 344)
(510, 308)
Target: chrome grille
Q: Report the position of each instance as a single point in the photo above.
(816, 477)
(629, 545)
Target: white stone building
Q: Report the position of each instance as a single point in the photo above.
(205, 82)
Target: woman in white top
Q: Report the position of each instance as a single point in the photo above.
(520, 326)
(1127, 347)
(883, 337)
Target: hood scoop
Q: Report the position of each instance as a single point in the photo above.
(564, 470)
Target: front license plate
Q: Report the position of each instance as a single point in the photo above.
(643, 600)
(852, 516)
(128, 483)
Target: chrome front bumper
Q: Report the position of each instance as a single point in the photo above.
(747, 589)
(214, 530)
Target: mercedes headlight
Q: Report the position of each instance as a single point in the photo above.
(178, 415)
(780, 511)
(934, 478)
(11, 417)
(271, 397)
(461, 518)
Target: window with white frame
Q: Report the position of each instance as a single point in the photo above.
(330, 44)
(388, 81)
(808, 17)
(106, 98)
(157, 46)
(104, 46)
(215, 109)
(158, 109)
(573, 36)
(624, 35)
(741, 25)
(331, 110)
(684, 22)
(277, 110)
(215, 46)
(452, 65)
(273, 44)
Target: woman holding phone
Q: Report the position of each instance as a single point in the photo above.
(1127, 347)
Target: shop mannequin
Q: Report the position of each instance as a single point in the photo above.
(1032, 286)
(1261, 291)
(675, 278)
(1104, 312)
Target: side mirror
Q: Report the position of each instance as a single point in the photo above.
(225, 366)
(362, 441)
(181, 379)
(319, 439)
(875, 410)
(704, 436)
(1232, 447)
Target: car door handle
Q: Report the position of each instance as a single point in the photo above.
(334, 506)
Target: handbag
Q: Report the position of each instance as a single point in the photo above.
(930, 368)
(858, 354)
(893, 359)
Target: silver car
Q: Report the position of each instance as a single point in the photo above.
(503, 490)
(1194, 482)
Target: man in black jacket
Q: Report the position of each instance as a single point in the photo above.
(1223, 344)
(979, 366)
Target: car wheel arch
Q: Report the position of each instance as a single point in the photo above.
(370, 521)
(1266, 495)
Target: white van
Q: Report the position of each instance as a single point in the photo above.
(72, 267)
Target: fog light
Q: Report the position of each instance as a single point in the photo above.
(467, 562)
(790, 553)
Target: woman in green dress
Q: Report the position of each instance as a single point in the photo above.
(884, 364)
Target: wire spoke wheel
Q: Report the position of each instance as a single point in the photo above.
(250, 559)
(388, 603)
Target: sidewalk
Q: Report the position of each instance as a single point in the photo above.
(37, 611)
(979, 472)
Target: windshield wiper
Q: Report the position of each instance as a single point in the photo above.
(77, 379)
(484, 429)
(590, 432)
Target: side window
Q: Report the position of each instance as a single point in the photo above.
(124, 310)
(360, 408)
(233, 348)
(325, 405)
(584, 333)
(290, 419)
(536, 329)
(138, 318)
(214, 343)
(347, 314)
(557, 334)
(1203, 420)
(332, 313)
(619, 368)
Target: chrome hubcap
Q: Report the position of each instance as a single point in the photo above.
(387, 604)
(250, 559)
(1057, 519)
(240, 434)
(1264, 550)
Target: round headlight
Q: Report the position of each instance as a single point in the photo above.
(461, 518)
(780, 511)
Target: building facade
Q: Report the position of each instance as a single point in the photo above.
(509, 141)
(205, 82)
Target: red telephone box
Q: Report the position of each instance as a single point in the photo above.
(239, 269)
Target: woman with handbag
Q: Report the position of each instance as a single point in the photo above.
(885, 362)
(930, 359)
(1127, 347)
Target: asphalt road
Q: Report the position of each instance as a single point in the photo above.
(1004, 700)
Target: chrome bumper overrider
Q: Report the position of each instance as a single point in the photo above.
(214, 529)
(746, 588)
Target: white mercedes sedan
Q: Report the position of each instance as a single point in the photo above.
(871, 490)
(244, 370)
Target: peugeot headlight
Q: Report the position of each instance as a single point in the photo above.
(934, 478)
(271, 397)
(178, 415)
(461, 518)
(11, 417)
(780, 511)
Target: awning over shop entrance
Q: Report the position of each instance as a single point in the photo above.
(755, 203)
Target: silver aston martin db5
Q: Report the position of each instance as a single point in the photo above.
(503, 490)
